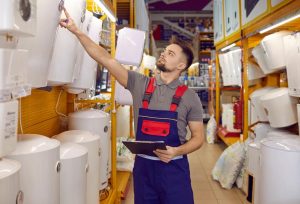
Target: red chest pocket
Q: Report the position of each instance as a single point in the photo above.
(155, 128)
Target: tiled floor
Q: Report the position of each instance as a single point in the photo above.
(206, 191)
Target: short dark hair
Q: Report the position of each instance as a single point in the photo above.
(186, 49)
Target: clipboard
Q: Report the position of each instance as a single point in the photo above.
(144, 147)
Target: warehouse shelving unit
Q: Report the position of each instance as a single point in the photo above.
(247, 37)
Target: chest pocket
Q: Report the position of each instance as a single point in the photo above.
(155, 128)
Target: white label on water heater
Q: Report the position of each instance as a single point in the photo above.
(8, 120)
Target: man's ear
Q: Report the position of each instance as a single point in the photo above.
(181, 66)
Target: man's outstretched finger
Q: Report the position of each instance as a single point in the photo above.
(66, 13)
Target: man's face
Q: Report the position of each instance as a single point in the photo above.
(171, 59)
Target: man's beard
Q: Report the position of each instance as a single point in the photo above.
(162, 68)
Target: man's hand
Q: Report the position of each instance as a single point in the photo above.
(68, 23)
(166, 155)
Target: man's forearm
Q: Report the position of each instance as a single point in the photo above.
(192, 145)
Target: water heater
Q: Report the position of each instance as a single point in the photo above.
(39, 174)
(87, 68)
(40, 47)
(62, 65)
(18, 17)
(292, 54)
(280, 108)
(97, 122)
(133, 40)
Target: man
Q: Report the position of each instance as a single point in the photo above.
(162, 109)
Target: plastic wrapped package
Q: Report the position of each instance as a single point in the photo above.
(229, 165)
(211, 130)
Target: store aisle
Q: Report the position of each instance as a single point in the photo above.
(206, 191)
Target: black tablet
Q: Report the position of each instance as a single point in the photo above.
(144, 147)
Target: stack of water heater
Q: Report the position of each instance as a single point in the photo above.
(18, 20)
(275, 149)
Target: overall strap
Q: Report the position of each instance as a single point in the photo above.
(177, 97)
(148, 93)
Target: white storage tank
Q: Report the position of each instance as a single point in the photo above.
(41, 46)
(87, 68)
(80, 50)
(280, 108)
(254, 152)
(62, 65)
(279, 171)
(97, 122)
(254, 73)
(256, 103)
(273, 47)
(91, 142)
(258, 53)
(10, 192)
(39, 175)
(18, 17)
(292, 55)
(73, 174)
(8, 127)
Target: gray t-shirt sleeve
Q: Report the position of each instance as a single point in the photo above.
(195, 112)
(136, 82)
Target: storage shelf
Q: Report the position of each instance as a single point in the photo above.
(206, 40)
(228, 140)
(112, 196)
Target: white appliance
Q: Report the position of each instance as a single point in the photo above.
(258, 53)
(73, 174)
(279, 171)
(250, 10)
(133, 40)
(86, 78)
(39, 175)
(235, 56)
(273, 47)
(149, 62)
(228, 117)
(261, 131)
(254, 73)
(8, 127)
(291, 54)
(232, 17)
(218, 20)
(281, 109)
(91, 142)
(97, 122)
(10, 192)
(122, 95)
(62, 65)
(254, 152)
(225, 72)
(256, 103)
(18, 17)
(40, 47)
(84, 27)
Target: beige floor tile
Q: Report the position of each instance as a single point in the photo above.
(223, 194)
(201, 186)
(204, 195)
(229, 202)
(205, 201)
